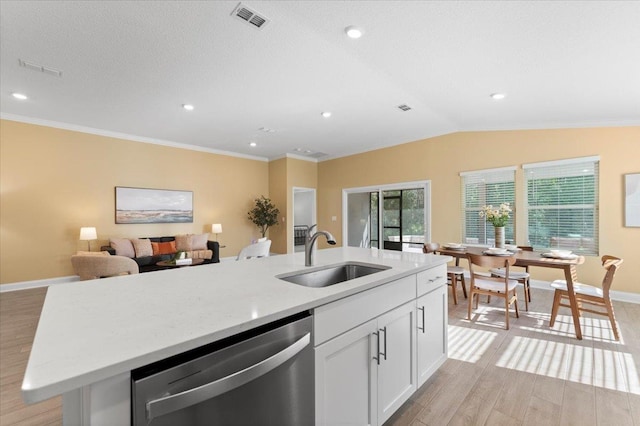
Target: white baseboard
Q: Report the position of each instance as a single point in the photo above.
(25, 285)
(621, 296)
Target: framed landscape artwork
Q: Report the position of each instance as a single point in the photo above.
(632, 199)
(142, 205)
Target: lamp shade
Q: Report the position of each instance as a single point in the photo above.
(216, 228)
(88, 233)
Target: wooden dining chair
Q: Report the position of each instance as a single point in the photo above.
(521, 276)
(454, 273)
(490, 285)
(596, 297)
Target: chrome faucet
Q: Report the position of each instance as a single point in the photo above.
(311, 240)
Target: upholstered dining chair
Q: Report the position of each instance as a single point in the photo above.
(490, 285)
(454, 273)
(597, 297)
(521, 276)
(90, 267)
(259, 249)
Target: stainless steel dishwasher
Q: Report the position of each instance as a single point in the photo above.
(261, 377)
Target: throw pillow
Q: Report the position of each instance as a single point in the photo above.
(164, 248)
(183, 242)
(142, 247)
(199, 242)
(123, 247)
(200, 254)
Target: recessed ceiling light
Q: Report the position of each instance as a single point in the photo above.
(353, 31)
(19, 96)
(252, 144)
(326, 114)
(188, 107)
(498, 95)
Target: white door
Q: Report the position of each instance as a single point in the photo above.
(346, 378)
(397, 369)
(431, 319)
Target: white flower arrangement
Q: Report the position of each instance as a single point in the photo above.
(497, 217)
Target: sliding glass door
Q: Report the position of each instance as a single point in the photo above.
(397, 213)
(392, 220)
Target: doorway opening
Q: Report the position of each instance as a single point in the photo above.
(304, 215)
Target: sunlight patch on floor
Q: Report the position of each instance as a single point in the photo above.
(596, 329)
(469, 344)
(493, 316)
(600, 367)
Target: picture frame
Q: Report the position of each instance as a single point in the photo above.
(632, 200)
(146, 205)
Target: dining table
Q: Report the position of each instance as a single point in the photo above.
(531, 258)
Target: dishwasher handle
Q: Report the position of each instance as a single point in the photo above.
(168, 404)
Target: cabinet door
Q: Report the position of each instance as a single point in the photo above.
(346, 376)
(397, 369)
(432, 322)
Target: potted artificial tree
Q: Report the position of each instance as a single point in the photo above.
(264, 214)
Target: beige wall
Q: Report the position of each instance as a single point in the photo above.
(440, 160)
(54, 181)
(284, 175)
(278, 195)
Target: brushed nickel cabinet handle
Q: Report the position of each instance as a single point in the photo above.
(423, 323)
(385, 343)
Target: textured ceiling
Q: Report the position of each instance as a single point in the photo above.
(128, 66)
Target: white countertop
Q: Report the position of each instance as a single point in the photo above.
(92, 330)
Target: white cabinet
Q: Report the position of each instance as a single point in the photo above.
(397, 359)
(364, 375)
(346, 377)
(431, 319)
(369, 360)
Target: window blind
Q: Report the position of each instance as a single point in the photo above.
(486, 187)
(562, 204)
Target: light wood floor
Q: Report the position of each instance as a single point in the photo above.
(19, 314)
(529, 375)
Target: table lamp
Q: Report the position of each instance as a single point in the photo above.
(216, 228)
(87, 234)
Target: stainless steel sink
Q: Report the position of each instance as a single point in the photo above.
(333, 274)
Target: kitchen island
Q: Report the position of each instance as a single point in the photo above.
(92, 334)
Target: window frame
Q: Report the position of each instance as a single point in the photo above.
(560, 171)
(495, 175)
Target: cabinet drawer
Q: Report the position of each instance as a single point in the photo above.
(431, 279)
(335, 318)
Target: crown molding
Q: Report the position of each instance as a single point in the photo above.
(125, 136)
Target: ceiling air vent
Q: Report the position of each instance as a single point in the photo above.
(404, 107)
(250, 16)
(40, 68)
(317, 155)
(309, 153)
